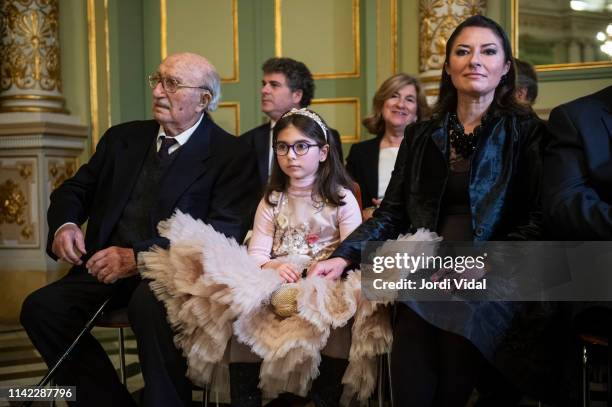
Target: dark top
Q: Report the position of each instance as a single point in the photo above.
(577, 193)
(133, 225)
(455, 219)
(362, 164)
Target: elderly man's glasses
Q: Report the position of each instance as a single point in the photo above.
(299, 148)
(170, 85)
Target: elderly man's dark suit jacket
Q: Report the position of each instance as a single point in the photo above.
(209, 179)
(578, 169)
(259, 140)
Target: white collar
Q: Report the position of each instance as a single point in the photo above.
(181, 138)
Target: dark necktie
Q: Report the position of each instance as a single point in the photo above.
(167, 142)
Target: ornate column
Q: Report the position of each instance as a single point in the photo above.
(39, 145)
(30, 77)
(438, 20)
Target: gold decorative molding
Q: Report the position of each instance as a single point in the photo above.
(60, 171)
(514, 12)
(30, 56)
(356, 136)
(278, 42)
(99, 82)
(235, 78)
(163, 17)
(13, 203)
(236, 66)
(278, 29)
(430, 79)
(438, 20)
(30, 97)
(30, 46)
(93, 71)
(433, 92)
(25, 171)
(27, 232)
(107, 60)
(514, 6)
(33, 109)
(394, 58)
(236, 107)
(381, 42)
(18, 202)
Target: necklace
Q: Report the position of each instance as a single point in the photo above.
(463, 144)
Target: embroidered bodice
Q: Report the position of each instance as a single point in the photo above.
(299, 225)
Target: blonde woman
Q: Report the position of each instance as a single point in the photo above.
(398, 102)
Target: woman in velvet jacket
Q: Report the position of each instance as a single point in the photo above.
(471, 173)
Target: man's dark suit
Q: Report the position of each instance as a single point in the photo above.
(259, 141)
(577, 187)
(362, 164)
(577, 203)
(207, 179)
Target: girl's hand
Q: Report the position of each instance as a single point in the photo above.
(288, 272)
(331, 268)
(367, 213)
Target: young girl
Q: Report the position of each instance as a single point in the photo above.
(216, 293)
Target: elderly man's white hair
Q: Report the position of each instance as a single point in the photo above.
(204, 72)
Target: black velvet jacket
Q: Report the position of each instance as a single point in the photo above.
(504, 189)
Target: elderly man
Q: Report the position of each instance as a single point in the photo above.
(286, 84)
(139, 175)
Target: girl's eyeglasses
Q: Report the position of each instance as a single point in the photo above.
(299, 148)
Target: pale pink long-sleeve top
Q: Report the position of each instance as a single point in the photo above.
(297, 225)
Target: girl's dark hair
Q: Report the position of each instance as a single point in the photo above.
(375, 123)
(331, 174)
(504, 99)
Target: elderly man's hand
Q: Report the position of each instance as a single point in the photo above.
(110, 264)
(69, 244)
(331, 268)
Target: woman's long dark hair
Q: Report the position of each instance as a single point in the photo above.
(331, 174)
(504, 99)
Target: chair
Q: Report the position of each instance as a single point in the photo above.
(117, 319)
(593, 329)
(384, 384)
(589, 342)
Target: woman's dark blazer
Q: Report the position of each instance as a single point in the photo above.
(504, 187)
(362, 164)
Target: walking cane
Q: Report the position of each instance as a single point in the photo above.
(43, 382)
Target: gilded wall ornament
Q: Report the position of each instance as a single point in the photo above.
(60, 172)
(438, 20)
(29, 53)
(12, 203)
(27, 232)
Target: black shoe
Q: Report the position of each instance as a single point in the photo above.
(244, 384)
(327, 388)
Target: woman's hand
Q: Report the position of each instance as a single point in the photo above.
(331, 268)
(288, 272)
(367, 212)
